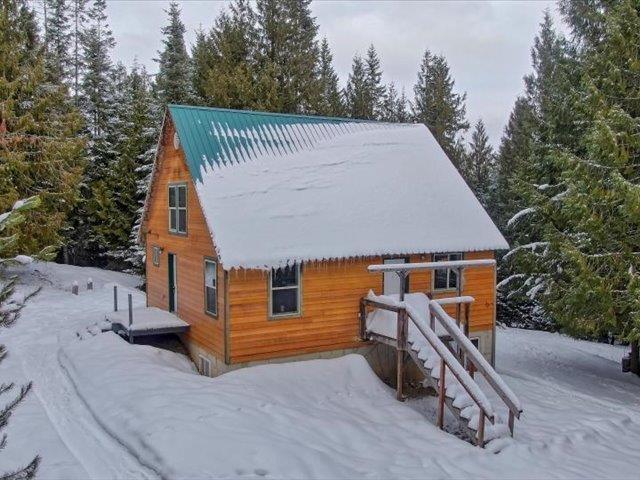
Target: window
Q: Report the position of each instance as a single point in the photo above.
(284, 286)
(155, 255)
(445, 278)
(178, 208)
(211, 287)
(205, 366)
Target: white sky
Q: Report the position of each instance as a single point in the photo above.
(487, 44)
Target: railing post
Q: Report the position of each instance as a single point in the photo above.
(363, 320)
(89, 283)
(442, 391)
(511, 421)
(401, 345)
(481, 429)
(130, 301)
(74, 288)
(115, 298)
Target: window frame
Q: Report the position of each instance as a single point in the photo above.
(459, 283)
(177, 208)
(298, 287)
(156, 251)
(204, 280)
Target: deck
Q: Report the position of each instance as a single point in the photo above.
(146, 321)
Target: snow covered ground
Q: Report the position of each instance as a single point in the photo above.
(102, 408)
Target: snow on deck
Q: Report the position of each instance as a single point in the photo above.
(147, 319)
(374, 189)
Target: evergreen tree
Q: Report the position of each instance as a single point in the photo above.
(330, 99)
(538, 184)
(40, 152)
(226, 65)
(395, 108)
(288, 55)
(174, 79)
(58, 41)
(203, 59)
(357, 98)
(479, 164)
(595, 288)
(77, 18)
(375, 88)
(438, 106)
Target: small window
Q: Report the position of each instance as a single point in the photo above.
(155, 255)
(445, 278)
(284, 286)
(211, 287)
(178, 209)
(205, 366)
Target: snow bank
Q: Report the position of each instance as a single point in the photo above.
(315, 419)
(373, 189)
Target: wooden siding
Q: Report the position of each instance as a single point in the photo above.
(331, 292)
(190, 249)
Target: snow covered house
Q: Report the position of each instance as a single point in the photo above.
(259, 228)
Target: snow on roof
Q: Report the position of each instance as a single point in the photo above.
(329, 190)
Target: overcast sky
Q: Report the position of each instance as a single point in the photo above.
(487, 44)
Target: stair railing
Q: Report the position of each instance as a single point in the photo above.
(478, 361)
(447, 360)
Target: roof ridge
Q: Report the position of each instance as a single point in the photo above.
(291, 115)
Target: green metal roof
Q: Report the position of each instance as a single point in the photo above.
(212, 137)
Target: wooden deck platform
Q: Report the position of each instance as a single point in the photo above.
(145, 321)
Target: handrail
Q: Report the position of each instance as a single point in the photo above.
(454, 300)
(410, 267)
(493, 379)
(458, 371)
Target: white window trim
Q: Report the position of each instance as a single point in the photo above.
(206, 306)
(204, 366)
(177, 208)
(449, 270)
(297, 287)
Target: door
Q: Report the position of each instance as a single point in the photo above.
(173, 282)
(391, 281)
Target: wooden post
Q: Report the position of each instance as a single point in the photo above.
(74, 288)
(511, 421)
(89, 283)
(363, 320)
(442, 391)
(401, 345)
(634, 364)
(130, 301)
(115, 298)
(481, 430)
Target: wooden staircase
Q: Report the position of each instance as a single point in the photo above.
(448, 362)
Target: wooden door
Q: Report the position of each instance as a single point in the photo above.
(390, 280)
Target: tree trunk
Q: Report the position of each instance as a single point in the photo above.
(635, 361)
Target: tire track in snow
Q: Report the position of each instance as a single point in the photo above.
(101, 455)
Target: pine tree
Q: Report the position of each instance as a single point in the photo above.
(330, 99)
(357, 98)
(395, 108)
(40, 152)
(174, 79)
(479, 164)
(78, 18)
(438, 106)
(552, 124)
(288, 54)
(225, 60)
(595, 289)
(203, 60)
(58, 41)
(375, 88)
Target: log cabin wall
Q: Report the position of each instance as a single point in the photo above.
(206, 332)
(330, 297)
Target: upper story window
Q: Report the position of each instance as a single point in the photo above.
(284, 291)
(211, 287)
(178, 208)
(446, 278)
